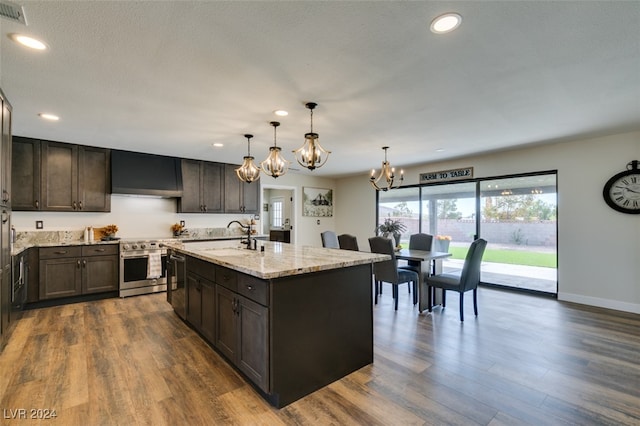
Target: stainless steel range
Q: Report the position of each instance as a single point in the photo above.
(143, 267)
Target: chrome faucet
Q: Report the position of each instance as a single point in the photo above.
(249, 242)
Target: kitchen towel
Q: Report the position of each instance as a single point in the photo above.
(154, 266)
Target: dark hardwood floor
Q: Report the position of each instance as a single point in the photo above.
(524, 360)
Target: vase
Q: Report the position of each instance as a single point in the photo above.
(396, 237)
(442, 245)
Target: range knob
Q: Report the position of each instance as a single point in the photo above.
(135, 246)
(126, 247)
(143, 246)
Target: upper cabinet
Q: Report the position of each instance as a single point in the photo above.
(25, 174)
(5, 153)
(202, 187)
(56, 176)
(239, 196)
(214, 188)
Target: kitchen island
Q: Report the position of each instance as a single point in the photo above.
(291, 318)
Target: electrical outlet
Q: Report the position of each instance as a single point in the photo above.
(318, 222)
(39, 224)
(182, 223)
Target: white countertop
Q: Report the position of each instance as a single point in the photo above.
(278, 259)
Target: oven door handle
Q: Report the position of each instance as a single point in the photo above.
(177, 258)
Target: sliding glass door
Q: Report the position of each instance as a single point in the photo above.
(516, 215)
(519, 222)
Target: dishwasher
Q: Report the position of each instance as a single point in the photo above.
(176, 283)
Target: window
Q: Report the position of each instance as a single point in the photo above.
(276, 212)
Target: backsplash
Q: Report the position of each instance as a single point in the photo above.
(27, 238)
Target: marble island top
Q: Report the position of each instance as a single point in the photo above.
(278, 259)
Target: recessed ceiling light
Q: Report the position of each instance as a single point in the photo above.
(440, 150)
(27, 41)
(50, 117)
(445, 23)
(281, 113)
(218, 145)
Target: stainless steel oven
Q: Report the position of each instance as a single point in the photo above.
(143, 267)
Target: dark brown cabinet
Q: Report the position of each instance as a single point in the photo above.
(57, 176)
(202, 187)
(72, 271)
(242, 327)
(25, 174)
(281, 235)
(239, 197)
(201, 297)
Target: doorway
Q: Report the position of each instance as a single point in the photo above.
(278, 207)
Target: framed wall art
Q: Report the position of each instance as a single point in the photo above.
(317, 202)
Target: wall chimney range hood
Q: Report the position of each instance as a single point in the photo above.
(137, 173)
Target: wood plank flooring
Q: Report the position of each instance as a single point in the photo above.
(524, 360)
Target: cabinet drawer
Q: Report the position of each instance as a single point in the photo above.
(60, 252)
(100, 250)
(227, 278)
(253, 288)
(200, 267)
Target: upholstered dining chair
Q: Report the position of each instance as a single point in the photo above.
(329, 239)
(348, 242)
(466, 281)
(389, 272)
(418, 242)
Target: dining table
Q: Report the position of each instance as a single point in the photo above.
(426, 262)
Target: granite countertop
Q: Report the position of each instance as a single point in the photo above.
(62, 238)
(18, 248)
(278, 259)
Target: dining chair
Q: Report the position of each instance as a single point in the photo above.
(329, 239)
(418, 242)
(348, 242)
(468, 279)
(389, 272)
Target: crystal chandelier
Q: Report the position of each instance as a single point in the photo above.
(311, 154)
(248, 172)
(387, 172)
(275, 165)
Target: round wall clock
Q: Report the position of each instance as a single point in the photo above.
(622, 191)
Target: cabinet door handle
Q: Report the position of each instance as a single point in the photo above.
(5, 216)
(37, 204)
(99, 250)
(205, 207)
(5, 196)
(74, 205)
(84, 263)
(78, 264)
(249, 287)
(201, 208)
(60, 252)
(80, 205)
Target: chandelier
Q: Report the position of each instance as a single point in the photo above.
(248, 172)
(311, 154)
(275, 165)
(387, 172)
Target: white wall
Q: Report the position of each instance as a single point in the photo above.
(598, 248)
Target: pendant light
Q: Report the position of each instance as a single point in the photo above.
(248, 172)
(388, 173)
(311, 154)
(275, 165)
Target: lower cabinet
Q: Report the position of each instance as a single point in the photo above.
(230, 311)
(67, 271)
(201, 296)
(242, 334)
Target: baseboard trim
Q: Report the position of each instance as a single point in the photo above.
(617, 305)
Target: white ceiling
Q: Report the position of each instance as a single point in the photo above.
(173, 77)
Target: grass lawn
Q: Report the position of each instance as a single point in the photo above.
(514, 257)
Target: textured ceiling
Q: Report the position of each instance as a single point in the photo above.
(174, 77)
